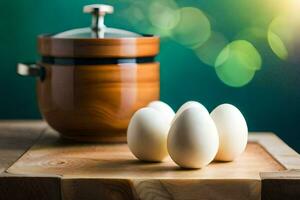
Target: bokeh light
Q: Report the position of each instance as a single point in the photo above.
(237, 63)
(136, 16)
(283, 37)
(256, 35)
(163, 14)
(252, 33)
(134, 12)
(210, 49)
(193, 27)
(289, 7)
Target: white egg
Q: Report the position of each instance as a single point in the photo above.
(189, 104)
(147, 135)
(164, 108)
(232, 129)
(193, 139)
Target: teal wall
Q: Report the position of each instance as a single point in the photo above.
(270, 102)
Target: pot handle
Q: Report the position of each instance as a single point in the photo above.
(31, 70)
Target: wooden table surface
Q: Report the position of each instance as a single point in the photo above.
(35, 163)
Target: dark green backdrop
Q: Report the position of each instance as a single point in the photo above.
(270, 102)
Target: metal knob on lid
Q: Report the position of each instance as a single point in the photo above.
(98, 12)
(97, 30)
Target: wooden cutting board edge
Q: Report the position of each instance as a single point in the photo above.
(272, 185)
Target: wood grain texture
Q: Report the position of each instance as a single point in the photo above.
(29, 187)
(93, 171)
(94, 189)
(65, 170)
(281, 185)
(165, 189)
(280, 151)
(95, 47)
(51, 155)
(193, 189)
(95, 103)
(16, 138)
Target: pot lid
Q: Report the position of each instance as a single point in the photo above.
(98, 28)
(98, 41)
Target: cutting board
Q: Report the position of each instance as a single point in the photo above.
(52, 168)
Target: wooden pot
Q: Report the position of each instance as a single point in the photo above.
(88, 88)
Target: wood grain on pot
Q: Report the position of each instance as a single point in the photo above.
(96, 102)
(94, 47)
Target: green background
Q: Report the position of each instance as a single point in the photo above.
(270, 102)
